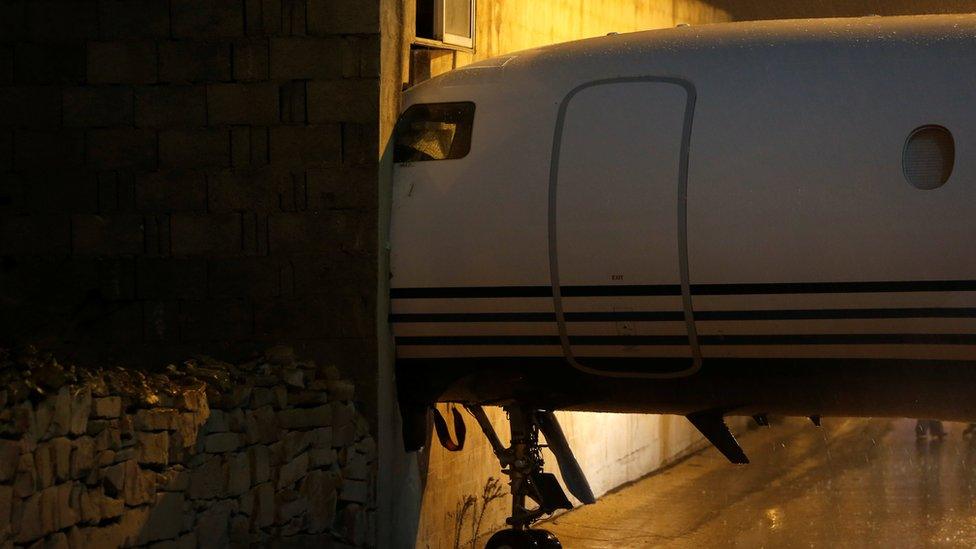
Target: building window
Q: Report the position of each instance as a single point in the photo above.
(434, 131)
(448, 21)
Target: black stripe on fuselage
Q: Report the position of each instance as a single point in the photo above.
(534, 291)
(765, 339)
(536, 317)
(661, 316)
(696, 289)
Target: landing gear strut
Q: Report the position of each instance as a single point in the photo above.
(522, 463)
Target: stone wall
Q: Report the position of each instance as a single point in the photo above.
(268, 452)
(187, 176)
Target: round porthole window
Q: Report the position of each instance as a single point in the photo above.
(928, 157)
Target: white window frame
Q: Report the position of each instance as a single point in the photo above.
(453, 39)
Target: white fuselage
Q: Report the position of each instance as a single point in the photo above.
(644, 204)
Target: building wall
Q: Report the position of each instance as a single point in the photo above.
(504, 26)
(190, 176)
(399, 486)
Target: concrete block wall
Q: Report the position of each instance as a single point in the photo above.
(184, 176)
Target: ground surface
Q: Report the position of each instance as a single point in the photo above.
(852, 483)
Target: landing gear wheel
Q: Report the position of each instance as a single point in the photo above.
(523, 539)
(544, 539)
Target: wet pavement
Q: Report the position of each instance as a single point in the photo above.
(851, 483)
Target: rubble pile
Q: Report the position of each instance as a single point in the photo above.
(205, 454)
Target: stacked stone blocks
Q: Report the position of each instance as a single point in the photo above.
(266, 453)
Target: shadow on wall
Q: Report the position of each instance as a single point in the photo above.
(208, 454)
(469, 517)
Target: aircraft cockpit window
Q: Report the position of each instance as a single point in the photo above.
(434, 131)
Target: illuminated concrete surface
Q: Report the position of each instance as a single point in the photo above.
(853, 483)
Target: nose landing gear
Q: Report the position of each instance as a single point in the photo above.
(523, 539)
(522, 463)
